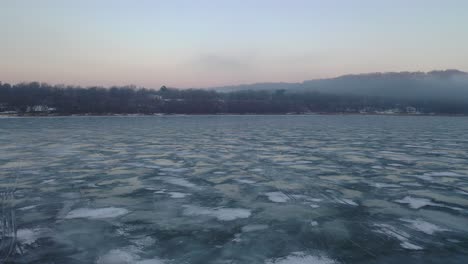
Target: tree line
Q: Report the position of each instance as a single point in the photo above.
(41, 98)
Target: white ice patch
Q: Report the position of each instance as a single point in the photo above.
(423, 226)
(97, 213)
(141, 165)
(121, 232)
(402, 236)
(237, 238)
(410, 246)
(396, 165)
(346, 201)
(181, 182)
(306, 198)
(442, 174)
(178, 195)
(48, 181)
(150, 261)
(417, 203)
(27, 207)
(245, 181)
(152, 166)
(429, 176)
(277, 197)
(144, 242)
(425, 177)
(462, 192)
(117, 256)
(78, 181)
(317, 200)
(349, 202)
(223, 214)
(174, 170)
(299, 162)
(414, 184)
(28, 236)
(252, 228)
(385, 185)
(121, 256)
(302, 258)
(313, 223)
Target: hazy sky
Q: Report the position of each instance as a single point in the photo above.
(197, 43)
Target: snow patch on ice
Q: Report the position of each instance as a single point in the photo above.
(346, 201)
(423, 226)
(174, 170)
(122, 256)
(181, 182)
(317, 200)
(306, 198)
(142, 165)
(29, 236)
(117, 256)
(98, 213)
(410, 246)
(252, 228)
(178, 195)
(385, 185)
(416, 203)
(237, 238)
(402, 236)
(298, 162)
(48, 181)
(442, 174)
(222, 214)
(27, 207)
(429, 176)
(413, 184)
(277, 197)
(302, 258)
(425, 177)
(350, 202)
(313, 223)
(144, 242)
(245, 181)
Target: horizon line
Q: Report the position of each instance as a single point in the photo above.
(242, 84)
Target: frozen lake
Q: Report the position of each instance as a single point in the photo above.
(234, 189)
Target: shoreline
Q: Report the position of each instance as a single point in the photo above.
(229, 114)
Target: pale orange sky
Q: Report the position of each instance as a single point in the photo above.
(212, 43)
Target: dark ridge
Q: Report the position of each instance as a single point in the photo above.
(438, 92)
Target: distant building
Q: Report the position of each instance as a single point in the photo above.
(411, 110)
(40, 109)
(8, 113)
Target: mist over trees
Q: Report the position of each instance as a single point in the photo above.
(443, 92)
(447, 84)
